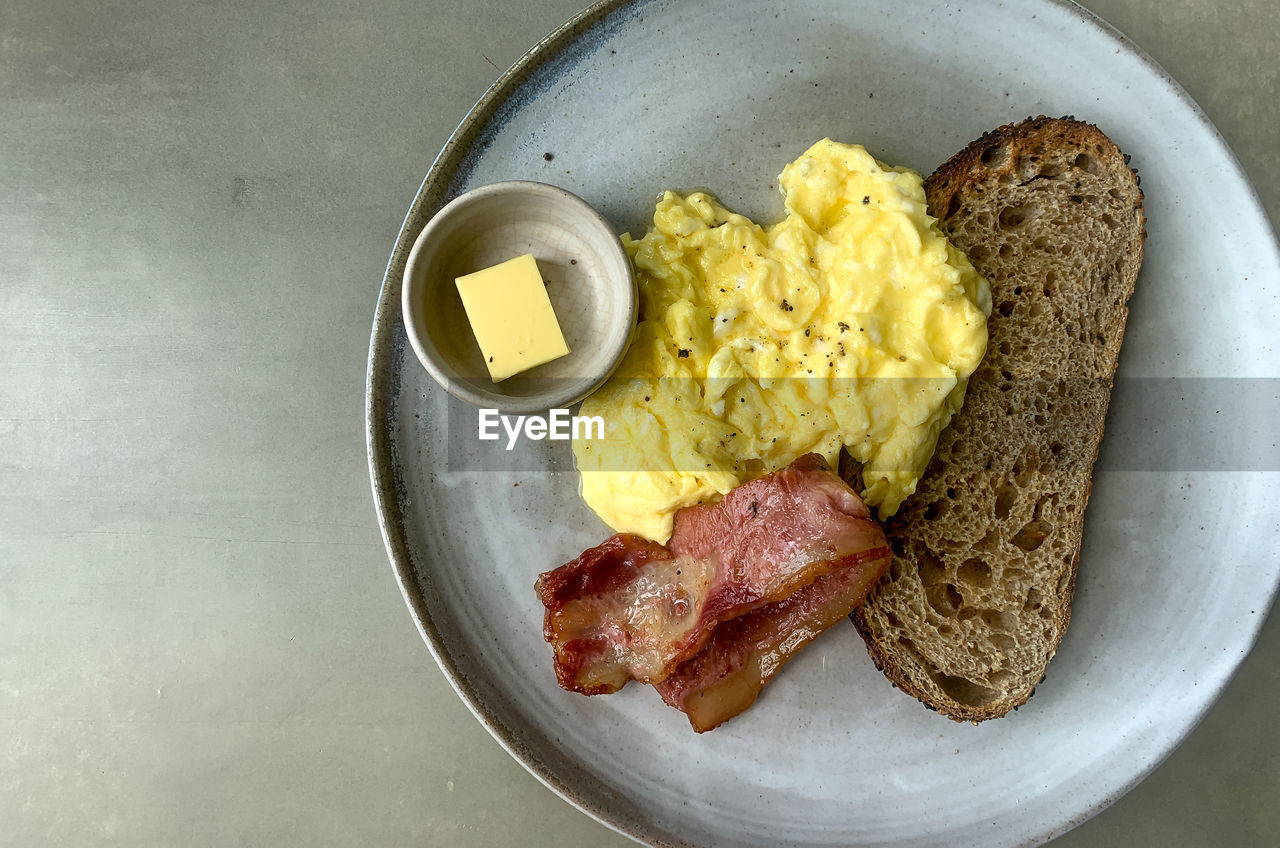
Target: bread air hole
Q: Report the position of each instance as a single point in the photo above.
(932, 569)
(1012, 217)
(1031, 536)
(1004, 644)
(964, 691)
(954, 599)
(991, 543)
(1006, 497)
(1002, 679)
(944, 599)
(1022, 476)
(1087, 163)
(996, 156)
(1001, 621)
(974, 572)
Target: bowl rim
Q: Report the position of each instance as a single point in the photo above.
(426, 351)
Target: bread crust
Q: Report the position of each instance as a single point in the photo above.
(987, 550)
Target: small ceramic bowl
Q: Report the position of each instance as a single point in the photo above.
(588, 276)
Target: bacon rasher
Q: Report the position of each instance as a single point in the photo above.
(726, 676)
(779, 556)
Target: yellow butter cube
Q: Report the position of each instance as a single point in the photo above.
(512, 317)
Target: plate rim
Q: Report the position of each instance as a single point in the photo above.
(387, 349)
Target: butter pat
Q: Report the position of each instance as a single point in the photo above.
(512, 317)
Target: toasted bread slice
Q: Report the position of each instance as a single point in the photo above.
(986, 550)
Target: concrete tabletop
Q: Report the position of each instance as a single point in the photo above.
(201, 640)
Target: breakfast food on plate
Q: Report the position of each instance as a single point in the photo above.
(851, 322)
(849, 332)
(512, 317)
(746, 581)
(979, 593)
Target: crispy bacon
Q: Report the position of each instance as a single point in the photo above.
(726, 676)
(633, 609)
(621, 610)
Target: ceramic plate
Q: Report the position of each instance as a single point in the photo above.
(1180, 557)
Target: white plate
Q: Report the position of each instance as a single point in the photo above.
(1179, 566)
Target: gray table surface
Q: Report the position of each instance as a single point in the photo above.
(201, 640)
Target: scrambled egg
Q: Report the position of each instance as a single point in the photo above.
(850, 322)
